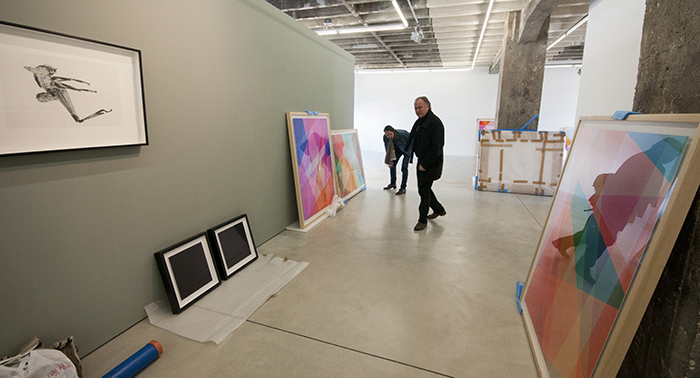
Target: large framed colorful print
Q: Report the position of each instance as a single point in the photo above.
(233, 246)
(61, 93)
(312, 162)
(624, 194)
(188, 271)
(350, 174)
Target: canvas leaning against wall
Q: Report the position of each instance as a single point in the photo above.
(350, 173)
(312, 162)
(624, 193)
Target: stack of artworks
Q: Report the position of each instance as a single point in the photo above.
(619, 207)
(348, 163)
(312, 161)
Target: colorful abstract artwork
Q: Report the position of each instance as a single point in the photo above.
(348, 163)
(612, 193)
(313, 164)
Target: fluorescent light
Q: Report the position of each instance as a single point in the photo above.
(571, 30)
(398, 10)
(556, 41)
(360, 29)
(410, 71)
(483, 30)
(581, 22)
(373, 28)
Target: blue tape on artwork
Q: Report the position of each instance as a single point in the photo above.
(622, 114)
(519, 292)
(309, 112)
(530, 121)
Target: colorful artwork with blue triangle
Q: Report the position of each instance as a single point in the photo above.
(608, 202)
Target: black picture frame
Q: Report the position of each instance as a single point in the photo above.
(188, 271)
(68, 93)
(233, 246)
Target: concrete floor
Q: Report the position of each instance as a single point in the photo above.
(378, 299)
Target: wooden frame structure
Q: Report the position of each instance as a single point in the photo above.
(624, 195)
(519, 161)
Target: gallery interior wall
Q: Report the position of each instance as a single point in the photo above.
(611, 56)
(559, 98)
(459, 98)
(78, 229)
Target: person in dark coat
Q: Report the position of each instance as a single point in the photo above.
(396, 147)
(427, 139)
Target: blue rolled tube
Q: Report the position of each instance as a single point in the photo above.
(139, 360)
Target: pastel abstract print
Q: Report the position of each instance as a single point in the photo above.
(348, 163)
(313, 151)
(609, 200)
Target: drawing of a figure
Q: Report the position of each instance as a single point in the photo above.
(56, 88)
(611, 208)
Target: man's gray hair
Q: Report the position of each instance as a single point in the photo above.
(425, 100)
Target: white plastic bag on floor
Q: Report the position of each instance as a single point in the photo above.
(336, 204)
(39, 363)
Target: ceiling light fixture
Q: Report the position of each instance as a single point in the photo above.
(483, 30)
(398, 10)
(360, 29)
(417, 35)
(571, 30)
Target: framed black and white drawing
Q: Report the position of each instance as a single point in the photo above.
(188, 271)
(59, 92)
(233, 245)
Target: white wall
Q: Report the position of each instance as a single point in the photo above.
(611, 56)
(458, 98)
(559, 98)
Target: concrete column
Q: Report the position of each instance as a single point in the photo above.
(520, 76)
(667, 342)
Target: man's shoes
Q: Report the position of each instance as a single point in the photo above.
(390, 186)
(435, 215)
(400, 192)
(420, 226)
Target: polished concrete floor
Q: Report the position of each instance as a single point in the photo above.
(378, 299)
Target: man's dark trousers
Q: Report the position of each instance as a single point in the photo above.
(404, 171)
(427, 197)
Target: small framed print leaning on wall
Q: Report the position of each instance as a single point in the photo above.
(233, 246)
(188, 271)
(624, 194)
(59, 92)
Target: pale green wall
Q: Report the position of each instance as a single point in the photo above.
(78, 229)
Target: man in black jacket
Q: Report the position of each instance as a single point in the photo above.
(427, 139)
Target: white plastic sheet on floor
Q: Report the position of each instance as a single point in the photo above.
(222, 311)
